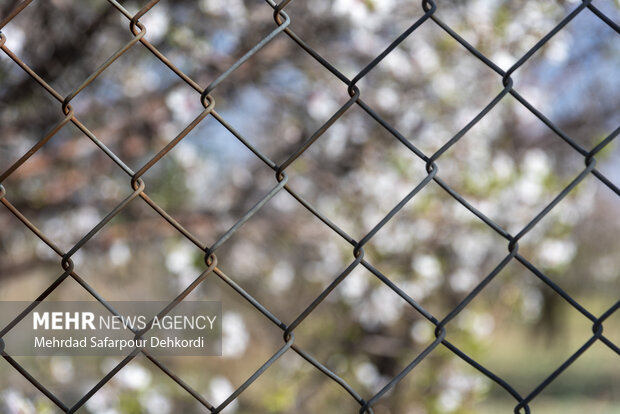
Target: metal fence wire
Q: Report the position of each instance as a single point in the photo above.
(283, 27)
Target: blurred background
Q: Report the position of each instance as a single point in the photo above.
(510, 166)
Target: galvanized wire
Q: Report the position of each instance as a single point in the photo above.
(283, 25)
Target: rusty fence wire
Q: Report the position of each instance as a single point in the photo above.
(283, 27)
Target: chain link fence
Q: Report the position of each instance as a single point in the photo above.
(284, 27)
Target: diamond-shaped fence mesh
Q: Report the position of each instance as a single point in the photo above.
(284, 27)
